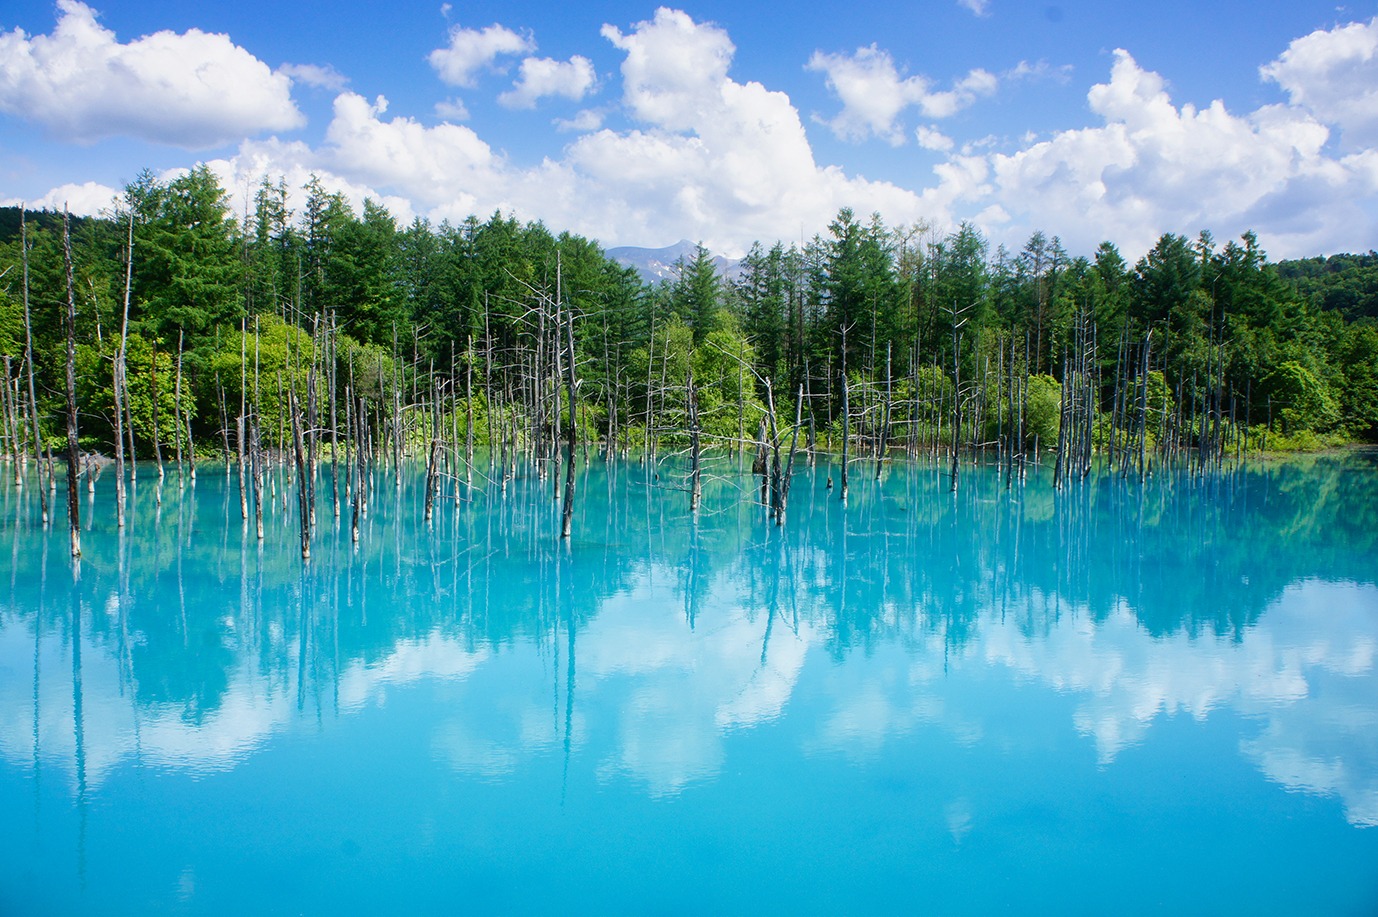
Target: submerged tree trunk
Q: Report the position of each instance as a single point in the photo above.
(177, 405)
(239, 419)
(567, 514)
(846, 419)
(695, 486)
(28, 359)
(884, 439)
(956, 399)
(787, 473)
(303, 473)
(73, 450)
(157, 442)
(118, 382)
(332, 342)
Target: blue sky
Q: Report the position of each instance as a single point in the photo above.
(723, 122)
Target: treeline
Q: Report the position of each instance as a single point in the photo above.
(197, 328)
(1345, 283)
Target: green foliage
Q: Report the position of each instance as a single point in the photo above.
(361, 280)
(1157, 401)
(1358, 358)
(696, 295)
(11, 324)
(1299, 400)
(151, 379)
(261, 367)
(480, 296)
(1346, 283)
(186, 267)
(256, 370)
(724, 382)
(1041, 421)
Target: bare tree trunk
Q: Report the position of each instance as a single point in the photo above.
(361, 484)
(239, 420)
(650, 362)
(770, 448)
(351, 485)
(469, 418)
(28, 359)
(303, 473)
(396, 411)
(761, 464)
(177, 404)
(73, 449)
(884, 438)
(1064, 422)
(741, 401)
(787, 475)
(157, 441)
(118, 382)
(1143, 407)
(332, 342)
(695, 487)
(956, 400)
(11, 410)
(846, 418)
(433, 456)
(256, 440)
(191, 443)
(312, 419)
(568, 512)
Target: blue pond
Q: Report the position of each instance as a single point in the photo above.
(1120, 697)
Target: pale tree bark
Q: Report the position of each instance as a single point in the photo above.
(73, 450)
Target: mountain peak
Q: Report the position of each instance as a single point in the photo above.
(657, 265)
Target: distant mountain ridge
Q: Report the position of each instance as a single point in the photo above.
(658, 264)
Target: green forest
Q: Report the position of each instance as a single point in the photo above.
(196, 328)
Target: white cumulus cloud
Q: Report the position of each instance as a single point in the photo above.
(473, 50)
(707, 157)
(85, 199)
(687, 151)
(1334, 75)
(674, 65)
(191, 89)
(1153, 167)
(539, 77)
(930, 138)
(718, 160)
(874, 93)
(428, 165)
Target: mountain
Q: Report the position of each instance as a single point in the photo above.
(658, 264)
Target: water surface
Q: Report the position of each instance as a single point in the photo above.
(1139, 698)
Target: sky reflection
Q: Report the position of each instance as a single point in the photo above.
(654, 654)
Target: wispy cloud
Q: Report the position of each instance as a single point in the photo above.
(315, 75)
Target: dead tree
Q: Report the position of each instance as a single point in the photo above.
(846, 419)
(118, 377)
(73, 449)
(695, 485)
(567, 513)
(882, 441)
(28, 359)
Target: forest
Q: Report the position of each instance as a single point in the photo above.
(192, 330)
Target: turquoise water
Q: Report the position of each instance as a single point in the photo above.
(1117, 698)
